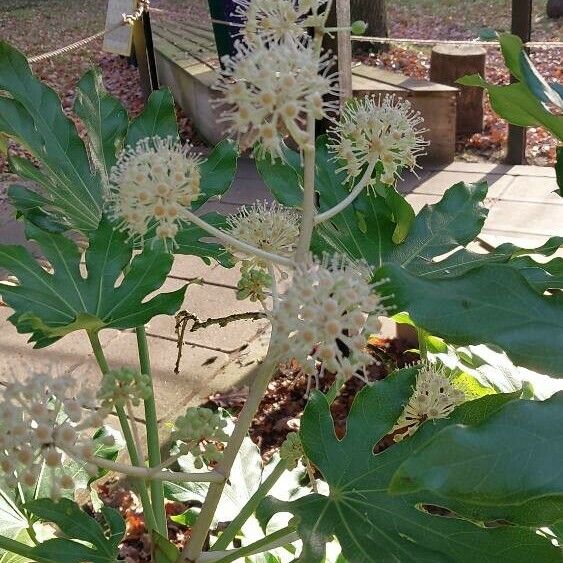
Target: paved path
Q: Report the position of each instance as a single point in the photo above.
(523, 210)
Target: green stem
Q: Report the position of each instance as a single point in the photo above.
(127, 434)
(18, 548)
(194, 547)
(422, 348)
(153, 441)
(272, 541)
(249, 508)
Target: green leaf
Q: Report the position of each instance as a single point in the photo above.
(511, 47)
(164, 550)
(217, 172)
(158, 119)
(105, 119)
(48, 306)
(75, 524)
(514, 458)
(493, 304)
(403, 213)
(370, 524)
(12, 522)
(33, 116)
(283, 179)
(518, 105)
(559, 170)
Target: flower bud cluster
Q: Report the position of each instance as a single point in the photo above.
(41, 421)
(434, 396)
(253, 284)
(370, 132)
(198, 431)
(269, 92)
(124, 385)
(269, 227)
(327, 316)
(276, 20)
(151, 186)
(291, 450)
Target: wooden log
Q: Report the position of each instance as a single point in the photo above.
(554, 9)
(450, 62)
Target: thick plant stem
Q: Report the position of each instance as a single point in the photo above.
(127, 434)
(308, 217)
(272, 541)
(18, 548)
(248, 509)
(199, 532)
(422, 348)
(153, 441)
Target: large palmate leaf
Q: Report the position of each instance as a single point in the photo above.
(493, 304)
(105, 120)
(371, 524)
(366, 230)
(477, 464)
(12, 523)
(75, 524)
(50, 305)
(31, 113)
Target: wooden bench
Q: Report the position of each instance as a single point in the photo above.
(187, 61)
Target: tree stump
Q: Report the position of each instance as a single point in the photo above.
(554, 8)
(450, 62)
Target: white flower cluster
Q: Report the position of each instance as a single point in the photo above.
(152, 185)
(41, 422)
(269, 92)
(199, 430)
(327, 316)
(269, 227)
(276, 20)
(434, 396)
(370, 131)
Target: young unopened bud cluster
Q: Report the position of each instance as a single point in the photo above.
(253, 284)
(268, 92)
(41, 422)
(327, 316)
(276, 20)
(124, 385)
(198, 431)
(151, 186)
(269, 227)
(291, 450)
(434, 396)
(373, 132)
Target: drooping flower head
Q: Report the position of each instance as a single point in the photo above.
(42, 420)
(277, 20)
(269, 92)
(153, 183)
(434, 396)
(269, 227)
(327, 315)
(370, 131)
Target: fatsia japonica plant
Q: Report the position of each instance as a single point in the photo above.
(441, 461)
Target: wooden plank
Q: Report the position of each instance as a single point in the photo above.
(361, 84)
(119, 41)
(188, 47)
(400, 80)
(344, 49)
(180, 38)
(191, 29)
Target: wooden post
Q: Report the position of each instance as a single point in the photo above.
(450, 62)
(344, 49)
(144, 53)
(521, 26)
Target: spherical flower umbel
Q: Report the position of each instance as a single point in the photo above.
(42, 420)
(434, 396)
(327, 316)
(269, 227)
(369, 132)
(198, 431)
(269, 92)
(151, 186)
(124, 386)
(277, 20)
